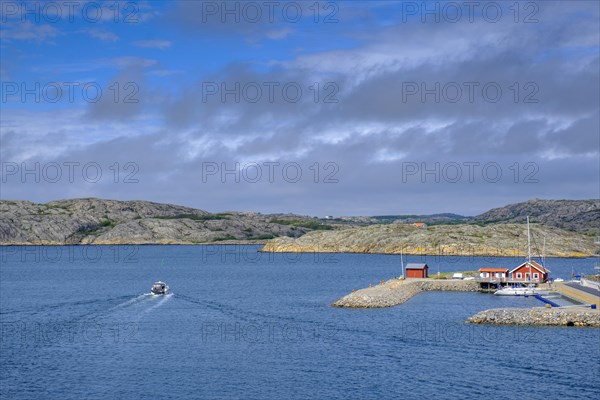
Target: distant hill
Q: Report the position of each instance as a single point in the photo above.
(498, 231)
(509, 240)
(446, 218)
(97, 221)
(573, 215)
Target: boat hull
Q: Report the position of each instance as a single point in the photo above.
(159, 288)
(519, 292)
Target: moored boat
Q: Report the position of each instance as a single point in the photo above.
(531, 289)
(520, 291)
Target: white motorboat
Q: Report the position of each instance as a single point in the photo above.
(518, 291)
(159, 288)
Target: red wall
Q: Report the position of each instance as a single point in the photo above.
(416, 273)
(525, 270)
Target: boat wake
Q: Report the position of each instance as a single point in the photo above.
(133, 301)
(162, 301)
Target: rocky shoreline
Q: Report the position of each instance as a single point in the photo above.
(398, 291)
(572, 316)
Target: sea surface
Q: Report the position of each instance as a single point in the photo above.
(78, 322)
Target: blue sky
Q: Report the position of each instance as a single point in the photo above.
(387, 133)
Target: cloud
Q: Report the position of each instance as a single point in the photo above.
(132, 61)
(41, 33)
(279, 34)
(547, 114)
(153, 44)
(103, 35)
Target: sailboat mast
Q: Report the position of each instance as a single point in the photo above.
(529, 248)
(544, 253)
(402, 261)
(528, 242)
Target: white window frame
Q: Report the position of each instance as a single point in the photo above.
(519, 275)
(536, 275)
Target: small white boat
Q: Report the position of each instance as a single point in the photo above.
(159, 288)
(520, 291)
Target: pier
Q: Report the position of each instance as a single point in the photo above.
(541, 316)
(398, 291)
(581, 294)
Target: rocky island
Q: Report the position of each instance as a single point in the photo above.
(509, 240)
(98, 221)
(568, 226)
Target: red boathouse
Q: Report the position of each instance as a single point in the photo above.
(417, 270)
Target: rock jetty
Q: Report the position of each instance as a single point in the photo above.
(398, 291)
(571, 316)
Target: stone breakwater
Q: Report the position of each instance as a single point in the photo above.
(397, 291)
(577, 316)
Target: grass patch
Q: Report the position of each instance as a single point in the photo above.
(448, 275)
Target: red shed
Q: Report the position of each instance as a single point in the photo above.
(417, 270)
(538, 272)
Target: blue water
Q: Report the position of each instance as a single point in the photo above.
(78, 323)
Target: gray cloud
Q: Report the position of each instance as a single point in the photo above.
(372, 132)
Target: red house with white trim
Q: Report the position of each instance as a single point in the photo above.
(489, 274)
(538, 273)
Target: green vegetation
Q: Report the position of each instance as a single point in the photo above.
(432, 223)
(316, 225)
(91, 229)
(264, 236)
(88, 230)
(107, 222)
(194, 217)
(448, 275)
(228, 237)
(55, 206)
